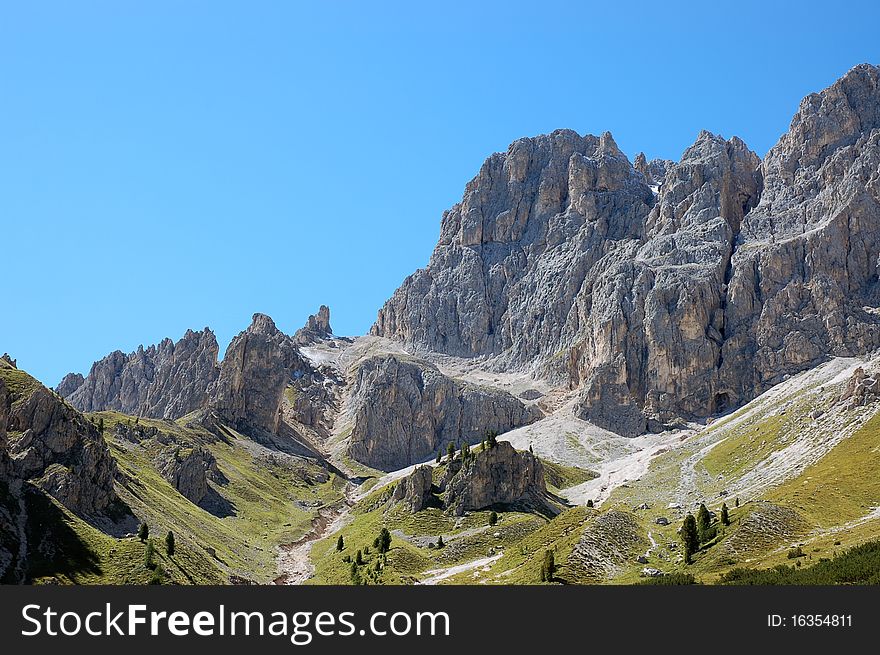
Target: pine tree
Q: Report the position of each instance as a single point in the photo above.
(156, 577)
(355, 574)
(101, 424)
(148, 555)
(437, 461)
(143, 532)
(725, 515)
(493, 518)
(465, 451)
(440, 543)
(704, 520)
(359, 558)
(340, 543)
(590, 503)
(530, 449)
(169, 543)
(736, 503)
(450, 451)
(690, 537)
(548, 566)
(491, 438)
(384, 544)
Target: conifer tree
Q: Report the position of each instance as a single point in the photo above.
(725, 515)
(690, 537)
(169, 543)
(340, 543)
(704, 520)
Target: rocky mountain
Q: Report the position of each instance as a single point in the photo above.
(405, 410)
(168, 380)
(662, 291)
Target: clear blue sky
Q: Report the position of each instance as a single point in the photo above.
(166, 165)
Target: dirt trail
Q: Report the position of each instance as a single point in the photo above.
(294, 563)
(435, 576)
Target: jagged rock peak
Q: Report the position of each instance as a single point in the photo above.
(262, 324)
(166, 380)
(317, 327)
(69, 383)
(9, 361)
(259, 364)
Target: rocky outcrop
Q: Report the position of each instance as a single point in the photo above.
(188, 470)
(662, 291)
(414, 491)
(258, 366)
(52, 446)
(316, 328)
(405, 410)
(861, 389)
(494, 476)
(168, 380)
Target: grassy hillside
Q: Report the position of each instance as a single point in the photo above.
(269, 498)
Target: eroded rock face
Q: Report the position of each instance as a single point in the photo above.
(405, 410)
(188, 470)
(258, 366)
(414, 491)
(662, 291)
(804, 276)
(494, 476)
(168, 380)
(53, 446)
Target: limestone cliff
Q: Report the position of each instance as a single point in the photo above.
(405, 410)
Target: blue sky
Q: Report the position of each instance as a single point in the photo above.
(167, 165)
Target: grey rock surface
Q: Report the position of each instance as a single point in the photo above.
(414, 491)
(258, 366)
(188, 470)
(495, 476)
(70, 383)
(405, 410)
